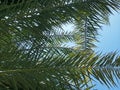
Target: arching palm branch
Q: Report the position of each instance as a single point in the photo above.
(31, 55)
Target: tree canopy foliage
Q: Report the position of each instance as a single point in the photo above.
(32, 56)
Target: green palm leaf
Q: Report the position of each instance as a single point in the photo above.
(31, 53)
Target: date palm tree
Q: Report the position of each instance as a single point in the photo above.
(31, 53)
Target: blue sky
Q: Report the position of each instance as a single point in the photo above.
(110, 35)
(109, 41)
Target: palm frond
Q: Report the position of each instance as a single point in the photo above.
(31, 56)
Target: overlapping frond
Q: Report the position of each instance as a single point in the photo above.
(31, 55)
(73, 71)
(86, 33)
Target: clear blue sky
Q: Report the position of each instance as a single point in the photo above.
(110, 35)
